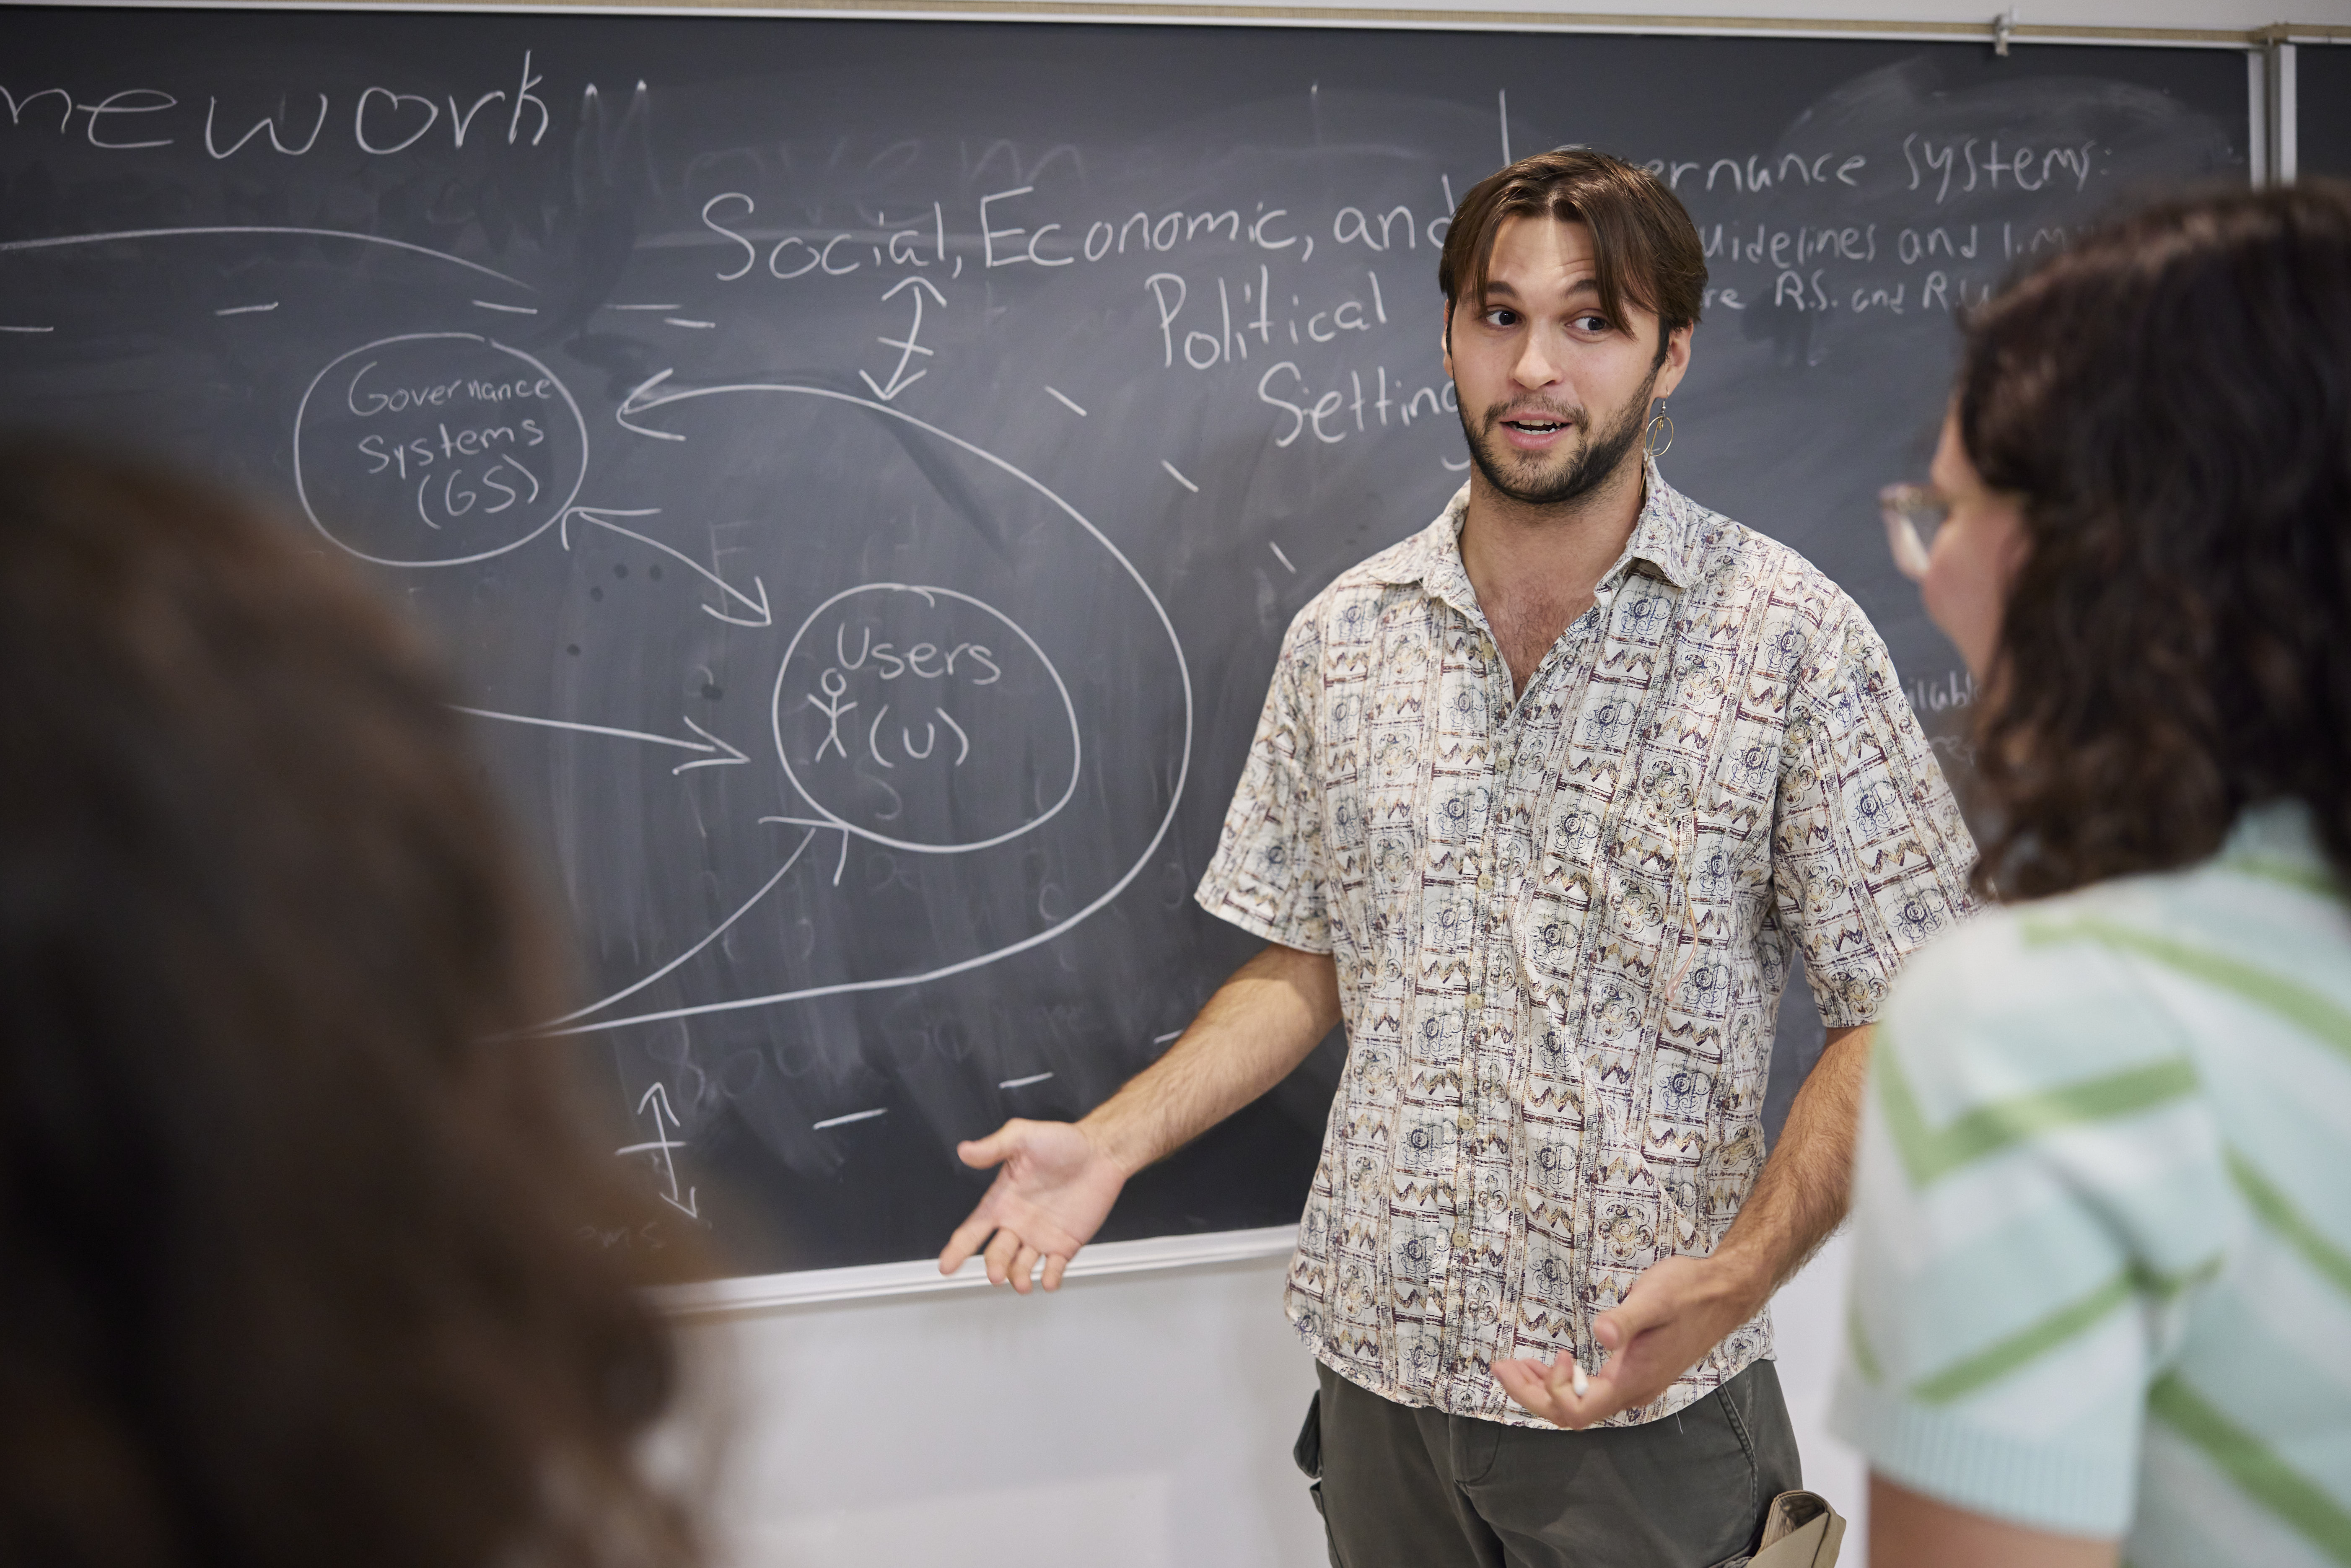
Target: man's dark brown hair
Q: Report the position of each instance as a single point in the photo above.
(1648, 250)
(291, 1259)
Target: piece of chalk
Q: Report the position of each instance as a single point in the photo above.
(1583, 1384)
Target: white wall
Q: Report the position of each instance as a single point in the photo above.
(1140, 1420)
(1137, 1421)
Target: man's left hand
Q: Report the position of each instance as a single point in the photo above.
(1678, 1309)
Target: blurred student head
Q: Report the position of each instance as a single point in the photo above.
(291, 1267)
(2147, 557)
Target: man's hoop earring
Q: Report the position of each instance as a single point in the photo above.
(1655, 447)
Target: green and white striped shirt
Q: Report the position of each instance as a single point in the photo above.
(2102, 1214)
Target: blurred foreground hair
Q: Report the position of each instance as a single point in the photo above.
(2171, 396)
(291, 1258)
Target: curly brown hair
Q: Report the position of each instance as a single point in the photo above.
(291, 1258)
(2170, 398)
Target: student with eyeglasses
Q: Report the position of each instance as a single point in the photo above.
(2102, 1201)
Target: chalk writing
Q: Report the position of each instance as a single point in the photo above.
(479, 444)
(931, 699)
(384, 121)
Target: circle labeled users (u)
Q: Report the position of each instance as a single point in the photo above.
(925, 719)
(436, 449)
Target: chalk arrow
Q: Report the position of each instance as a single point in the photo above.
(721, 755)
(756, 612)
(630, 404)
(906, 346)
(731, 757)
(818, 825)
(658, 1098)
(713, 935)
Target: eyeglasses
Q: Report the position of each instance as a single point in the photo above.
(1913, 515)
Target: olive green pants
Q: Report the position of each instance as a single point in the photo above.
(1415, 1488)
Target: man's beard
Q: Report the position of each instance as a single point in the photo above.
(1599, 457)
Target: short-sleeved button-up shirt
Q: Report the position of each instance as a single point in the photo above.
(1563, 923)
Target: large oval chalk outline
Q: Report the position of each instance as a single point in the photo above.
(775, 723)
(303, 408)
(1175, 799)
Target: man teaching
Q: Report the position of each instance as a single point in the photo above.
(1542, 805)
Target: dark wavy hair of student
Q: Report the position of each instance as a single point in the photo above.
(293, 1262)
(2170, 398)
(1645, 249)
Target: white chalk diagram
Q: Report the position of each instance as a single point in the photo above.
(441, 448)
(509, 463)
(522, 478)
(833, 703)
(943, 745)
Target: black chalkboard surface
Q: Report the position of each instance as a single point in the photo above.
(2323, 97)
(863, 469)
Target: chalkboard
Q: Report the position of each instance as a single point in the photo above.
(2323, 97)
(863, 469)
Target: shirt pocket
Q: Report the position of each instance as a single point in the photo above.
(1643, 883)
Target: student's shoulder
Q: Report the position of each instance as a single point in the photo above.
(2032, 994)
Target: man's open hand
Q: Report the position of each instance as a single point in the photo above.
(1678, 1309)
(1051, 1195)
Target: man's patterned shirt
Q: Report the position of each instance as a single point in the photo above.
(1563, 923)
